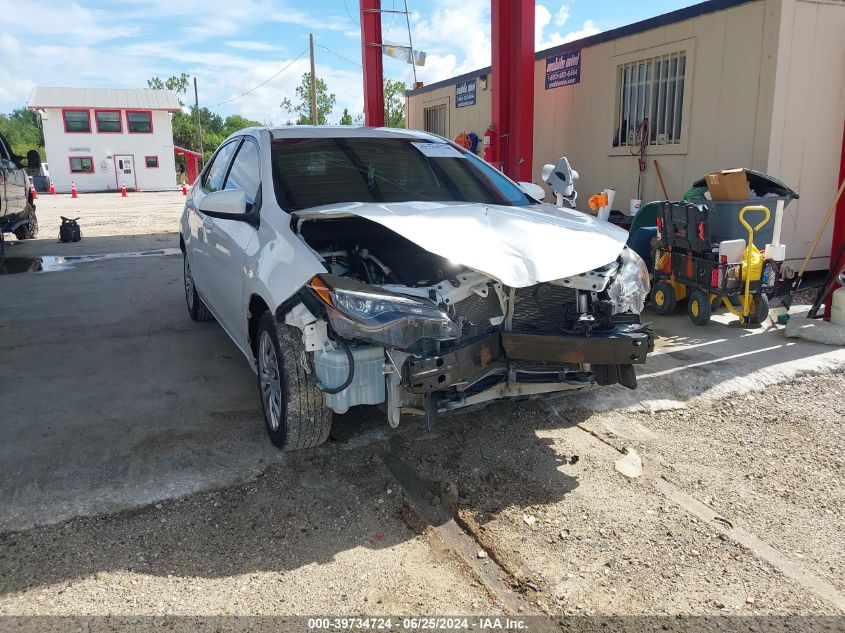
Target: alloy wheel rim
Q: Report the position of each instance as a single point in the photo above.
(271, 389)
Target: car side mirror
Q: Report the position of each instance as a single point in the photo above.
(535, 191)
(228, 204)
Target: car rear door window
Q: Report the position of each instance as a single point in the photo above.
(245, 172)
(216, 173)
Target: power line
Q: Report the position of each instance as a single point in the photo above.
(338, 55)
(358, 24)
(263, 83)
(349, 13)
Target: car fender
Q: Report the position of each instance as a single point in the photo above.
(277, 264)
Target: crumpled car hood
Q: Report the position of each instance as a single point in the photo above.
(519, 246)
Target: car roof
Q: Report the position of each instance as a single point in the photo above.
(348, 131)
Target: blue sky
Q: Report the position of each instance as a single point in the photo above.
(231, 46)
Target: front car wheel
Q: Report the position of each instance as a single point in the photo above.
(28, 231)
(295, 414)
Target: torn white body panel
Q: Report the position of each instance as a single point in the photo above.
(519, 246)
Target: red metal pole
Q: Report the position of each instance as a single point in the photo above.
(512, 23)
(371, 56)
(191, 168)
(838, 229)
(500, 77)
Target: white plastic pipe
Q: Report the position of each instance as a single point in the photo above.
(604, 212)
(778, 222)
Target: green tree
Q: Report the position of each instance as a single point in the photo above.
(176, 83)
(21, 130)
(302, 106)
(235, 122)
(394, 103)
(345, 118)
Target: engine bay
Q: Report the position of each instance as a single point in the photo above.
(374, 254)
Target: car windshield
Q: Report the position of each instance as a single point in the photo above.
(317, 171)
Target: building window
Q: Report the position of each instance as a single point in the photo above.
(81, 165)
(151, 161)
(650, 89)
(77, 120)
(108, 120)
(435, 119)
(139, 122)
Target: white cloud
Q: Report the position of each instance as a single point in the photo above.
(68, 22)
(309, 20)
(562, 15)
(543, 18)
(250, 45)
(456, 38)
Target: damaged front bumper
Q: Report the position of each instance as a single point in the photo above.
(603, 358)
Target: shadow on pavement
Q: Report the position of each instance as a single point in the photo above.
(310, 509)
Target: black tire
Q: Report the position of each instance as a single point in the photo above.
(698, 308)
(295, 415)
(761, 309)
(28, 231)
(663, 297)
(196, 307)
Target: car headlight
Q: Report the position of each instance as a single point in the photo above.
(630, 287)
(383, 318)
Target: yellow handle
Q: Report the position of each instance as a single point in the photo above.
(754, 208)
(746, 299)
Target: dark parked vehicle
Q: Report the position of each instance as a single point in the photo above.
(17, 211)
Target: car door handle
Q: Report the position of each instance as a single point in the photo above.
(207, 224)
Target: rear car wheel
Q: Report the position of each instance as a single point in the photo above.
(28, 231)
(698, 308)
(663, 297)
(295, 413)
(196, 308)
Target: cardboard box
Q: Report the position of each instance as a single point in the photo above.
(728, 184)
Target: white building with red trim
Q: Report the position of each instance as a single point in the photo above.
(102, 138)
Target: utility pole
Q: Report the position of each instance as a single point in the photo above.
(199, 122)
(314, 117)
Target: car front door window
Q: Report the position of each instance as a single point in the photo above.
(216, 174)
(245, 173)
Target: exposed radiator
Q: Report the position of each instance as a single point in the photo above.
(541, 309)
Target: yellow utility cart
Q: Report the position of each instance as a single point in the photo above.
(692, 264)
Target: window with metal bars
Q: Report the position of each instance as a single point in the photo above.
(435, 119)
(651, 88)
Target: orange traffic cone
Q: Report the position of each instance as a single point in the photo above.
(72, 189)
(184, 189)
(52, 188)
(123, 190)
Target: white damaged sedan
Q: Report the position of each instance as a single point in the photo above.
(358, 266)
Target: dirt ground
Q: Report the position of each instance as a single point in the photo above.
(332, 528)
(514, 509)
(105, 214)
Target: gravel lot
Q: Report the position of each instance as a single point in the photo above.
(332, 529)
(739, 509)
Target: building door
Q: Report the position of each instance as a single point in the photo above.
(124, 169)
